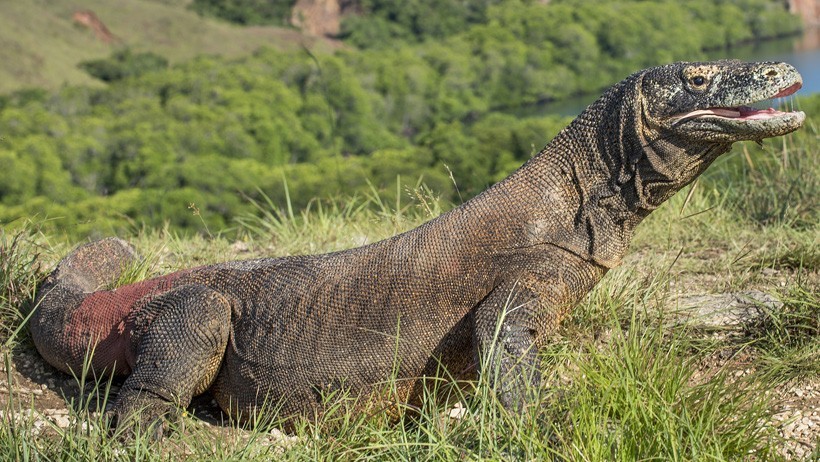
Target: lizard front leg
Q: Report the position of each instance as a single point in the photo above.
(179, 351)
(506, 330)
(512, 322)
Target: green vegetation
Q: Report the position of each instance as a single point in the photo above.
(621, 28)
(144, 150)
(246, 12)
(42, 46)
(383, 22)
(123, 64)
(19, 277)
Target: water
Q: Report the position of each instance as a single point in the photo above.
(803, 52)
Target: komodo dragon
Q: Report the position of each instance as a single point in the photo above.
(480, 285)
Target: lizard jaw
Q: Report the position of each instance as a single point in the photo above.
(741, 112)
(744, 122)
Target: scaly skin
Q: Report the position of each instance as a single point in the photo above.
(480, 285)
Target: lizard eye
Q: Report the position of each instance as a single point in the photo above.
(698, 81)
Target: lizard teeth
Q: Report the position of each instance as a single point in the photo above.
(751, 113)
(731, 113)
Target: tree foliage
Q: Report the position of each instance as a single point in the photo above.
(124, 63)
(385, 21)
(215, 132)
(246, 12)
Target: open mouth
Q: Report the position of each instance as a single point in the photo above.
(741, 112)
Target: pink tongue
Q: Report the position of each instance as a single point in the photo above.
(752, 113)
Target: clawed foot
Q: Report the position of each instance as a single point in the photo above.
(141, 414)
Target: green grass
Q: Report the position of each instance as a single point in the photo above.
(639, 398)
(42, 46)
(20, 273)
(619, 383)
(789, 339)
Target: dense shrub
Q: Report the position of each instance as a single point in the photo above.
(124, 63)
(246, 12)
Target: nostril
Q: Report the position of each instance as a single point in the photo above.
(771, 73)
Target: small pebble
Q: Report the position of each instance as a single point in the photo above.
(62, 421)
(457, 412)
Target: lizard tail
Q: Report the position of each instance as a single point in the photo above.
(89, 268)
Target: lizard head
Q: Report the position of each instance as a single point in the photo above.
(685, 115)
(711, 102)
(653, 133)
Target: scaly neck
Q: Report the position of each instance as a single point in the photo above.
(579, 192)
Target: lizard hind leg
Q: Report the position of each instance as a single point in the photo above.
(179, 353)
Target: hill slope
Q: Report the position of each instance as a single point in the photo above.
(40, 45)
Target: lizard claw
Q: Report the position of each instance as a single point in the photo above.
(141, 414)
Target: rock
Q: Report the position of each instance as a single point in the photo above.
(317, 17)
(240, 247)
(769, 272)
(62, 421)
(457, 412)
(725, 311)
(281, 439)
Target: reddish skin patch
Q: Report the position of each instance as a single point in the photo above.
(104, 322)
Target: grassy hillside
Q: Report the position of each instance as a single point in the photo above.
(40, 46)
